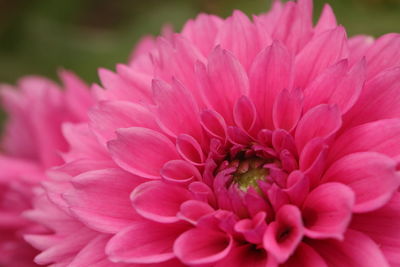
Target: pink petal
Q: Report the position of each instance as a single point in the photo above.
(383, 54)
(179, 171)
(358, 46)
(190, 149)
(193, 210)
(313, 160)
(327, 20)
(245, 114)
(295, 25)
(372, 176)
(382, 226)
(378, 100)
(270, 73)
(287, 109)
(145, 242)
(142, 151)
(379, 136)
(100, 199)
(202, 31)
(77, 94)
(327, 211)
(283, 235)
(177, 112)
(321, 121)
(332, 46)
(202, 246)
(357, 249)
(245, 47)
(109, 116)
(223, 83)
(247, 255)
(120, 88)
(159, 201)
(253, 229)
(214, 124)
(93, 254)
(305, 256)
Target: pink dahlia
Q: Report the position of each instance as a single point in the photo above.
(32, 143)
(269, 142)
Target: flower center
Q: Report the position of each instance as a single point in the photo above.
(249, 172)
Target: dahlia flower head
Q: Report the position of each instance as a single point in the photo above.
(237, 142)
(32, 142)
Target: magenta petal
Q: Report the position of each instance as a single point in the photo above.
(113, 210)
(270, 73)
(202, 246)
(144, 242)
(247, 256)
(305, 256)
(357, 249)
(190, 149)
(179, 171)
(112, 115)
(321, 121)
(142, 151)
(378, 100)
(244, 48)
(327, 20)
(382, 226)
(93, 254)
(372, 176)
(332, 46)
(177, 112)
(214, 124)
(287, 109)
(383, 54)
(159, 201)
(224, 82)
(193, 210)
(381, 136)
(253, 229)
(327, 211)
(245, 114)
(284, 234)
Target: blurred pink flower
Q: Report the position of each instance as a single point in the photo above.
(238, 143)
(32, 143)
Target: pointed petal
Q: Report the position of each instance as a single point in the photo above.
(223, 82)
(284, 234)
(177, 112)
(381, 136)
(109, 116)
(287, 109)
(202, 246)
(332, 46)
(305, 256)
(270, 73)
(100, 199)
(144, 242)
(159, 201)
(322, 121)
(372, 176)
(357, 249)
(244, 47)
(382, 226)
(142, 151)
(327, 211)
(378, 100)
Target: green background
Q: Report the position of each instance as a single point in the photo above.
(40, 36)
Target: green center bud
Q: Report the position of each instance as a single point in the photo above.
(248, 173)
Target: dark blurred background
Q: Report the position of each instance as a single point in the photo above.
(40, 36)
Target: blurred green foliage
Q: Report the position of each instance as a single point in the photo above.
(40, 36)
